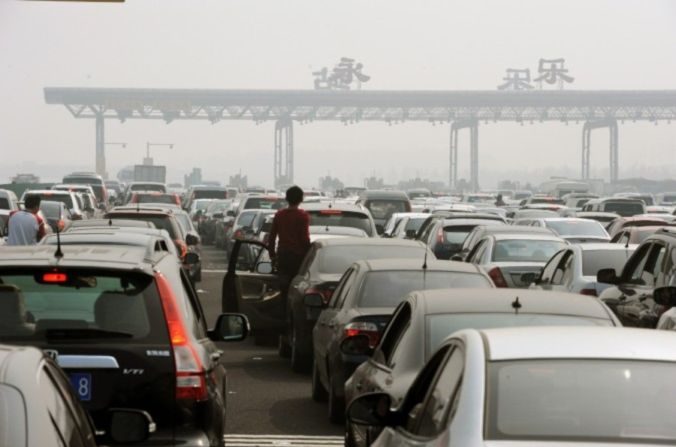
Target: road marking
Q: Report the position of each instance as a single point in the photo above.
(282, 440)
(214, 271)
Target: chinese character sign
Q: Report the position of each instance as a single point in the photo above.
(516, 79)
(552, 71)
(342, 76)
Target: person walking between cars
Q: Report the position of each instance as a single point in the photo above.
(291, 226)
(25, 226)
(499, 201)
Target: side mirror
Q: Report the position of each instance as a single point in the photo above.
(218, 215)
(129, 426)
(313, 300)
(264, 268)
(230, 327)
(665, 296)
(411, 234)
(191, 258)
(608, 276)
(357, 345)
(192, 239)
(370, 409)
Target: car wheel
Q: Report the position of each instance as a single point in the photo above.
(336, 405)
(283, 348)
(299, 361)
(319, 393)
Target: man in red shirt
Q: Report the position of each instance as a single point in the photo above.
(292, 226)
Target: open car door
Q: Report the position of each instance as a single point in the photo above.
(251, 287)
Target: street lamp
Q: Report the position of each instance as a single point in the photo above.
(148, 160)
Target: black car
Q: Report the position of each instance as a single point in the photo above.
(127, 327)
(40, 409)
(351, 324)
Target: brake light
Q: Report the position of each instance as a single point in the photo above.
(363, 328)
(325, 293)
(190, 374)
(54, 278)
(328, 212)
(440, 236)
(60, 225)
(590, 292)
(496, 276)
(182, 248)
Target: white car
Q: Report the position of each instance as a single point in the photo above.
(572, 229)
(536, 386)
(574, 268)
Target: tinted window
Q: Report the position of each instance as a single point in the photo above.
(442, 325)
(624, 209)
(457, 234)
(66, 199)
(156, 198)
(595, 260)
(246, 219)
(525, 250)
(383, 209)
(338, 258)
(210, 194)
(595, 400)
(4, 203)
(93, 304)
(414, 223)
(337, 218)
(577, 228)
(389, 288)
(265, 203)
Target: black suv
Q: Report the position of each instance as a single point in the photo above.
(651, 266)
(128, 329)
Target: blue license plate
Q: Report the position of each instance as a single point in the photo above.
(82, 384)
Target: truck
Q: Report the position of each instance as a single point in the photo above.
(150, 173)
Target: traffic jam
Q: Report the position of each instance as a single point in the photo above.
(415, 317)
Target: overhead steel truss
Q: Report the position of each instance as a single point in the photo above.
(350, 107)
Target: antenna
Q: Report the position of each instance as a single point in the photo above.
(424, 266)
(516, 305)
(58, 253)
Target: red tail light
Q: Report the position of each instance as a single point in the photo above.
(496, 276)
(363, 328)
(440, 236)
(182, 248)
(54, 278)
(61, 225)
(325, 293)
(190, 374)
(590, 292)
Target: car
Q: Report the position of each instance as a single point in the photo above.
(383, 203)
(666, 199)
(604, 218)
(200, 192)
(341, 215)
(156, 197)
(634, 235)
(625, 207)
(445, 236)
(258, 201)
(649, 267)
(431, 219)
(507, 257)
(361, 306)
(424, 319)
(242, 228)
(112, 231)
(572, 229)
(142, 186)
(532, 213)
(404, 225)
(40, 408)
(574, 268)
(480, 231)
(70, 199)
(194, 243)
(576, 200)
(322, 232)
(618, 224)
(217, 210)
(648, 199)
(8, 200)
(535, 386)
(56, 214)
(89, 178)
(129, 330)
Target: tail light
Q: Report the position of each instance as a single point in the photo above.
(190, 374)
(496, 276)
(60, 224)
(325, 293)
(182, 248)
(440, 236)
(590, 292)
(363, 328)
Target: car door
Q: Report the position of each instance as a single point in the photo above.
(563, 272)
(545, 280)
(252, 288)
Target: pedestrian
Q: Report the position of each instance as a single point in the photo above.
(499, 201)
(291, 225)
(26, 227)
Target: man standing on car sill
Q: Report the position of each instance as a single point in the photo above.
(25, 226)
(292, 226)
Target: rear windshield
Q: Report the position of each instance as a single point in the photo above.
(414, 223)
(147, 187)
(265, 203)
(383, 209)
(456, 235)
(338, 258)
(51, 210)
(546, 200)
(79, 305)
(210, 194)
(577, 228)
(246, 219)
(4, 203)
(595, 260)
(624, 209)
(389, 288)
(156, 198)
(66, 199)
(337, 218)
(525, 250)
(93, 181)
(441, 326)
(669, 198)
(161, 222)
(215, 207)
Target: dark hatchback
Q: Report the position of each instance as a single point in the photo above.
(128, 328)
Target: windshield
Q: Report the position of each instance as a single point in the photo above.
(595, 260)
(336, 259)
(156, 198)
(624, 209)
(39, 305)
(161, 222)
(389, 288)
(586, 401)
(265, 203)
(525, 250)
(210, 194)
(456, 235)
(383, 209)
(66, 199)
(577, 228)
(337, 218)
(52, 210)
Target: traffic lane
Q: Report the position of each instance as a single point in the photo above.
(264, 395)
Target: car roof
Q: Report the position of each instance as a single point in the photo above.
(54, 192)
(416, 264)
(527, 236)
(464, 222)
(103, 238)
(498, 300)
(133, 210)
(600, 246)
(320, 206)
(375, 241)
(114, 222)
(579, 343)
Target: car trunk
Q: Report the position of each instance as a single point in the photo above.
(512, 272)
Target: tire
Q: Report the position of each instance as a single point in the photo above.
(336, 405)
(300, 362)
(283, 348)
(319, 393)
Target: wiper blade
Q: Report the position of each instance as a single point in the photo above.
(74, 333)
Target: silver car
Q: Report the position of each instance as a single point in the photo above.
(572, 229)
(536, 386)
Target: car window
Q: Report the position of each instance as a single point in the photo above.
(195, 314)
(595, 260)
(474, 254)
(634, 269)
(383, 209)
(551, 266)
(394, 332)
(525, 250)
(563, 269)
(349, 284)
(337, 258)
(338, 218)
(337, 294)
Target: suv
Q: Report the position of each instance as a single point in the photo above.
(651, 266)
(382, 204)
(69, 198)
(92, 179)
(625, 207)
(127, 327)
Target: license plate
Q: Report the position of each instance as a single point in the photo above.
(82, 384)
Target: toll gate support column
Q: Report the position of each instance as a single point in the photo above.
(283, 152)
(100, 147)
(611, 125)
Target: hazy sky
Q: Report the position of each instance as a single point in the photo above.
(404, 45)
